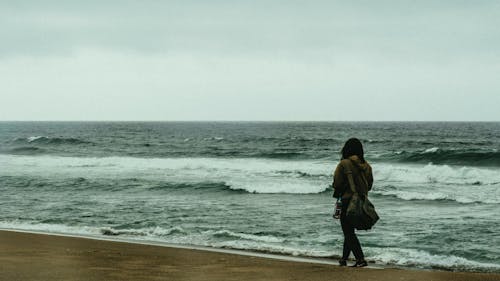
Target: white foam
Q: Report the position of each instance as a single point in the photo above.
(252, 175)
(245, 236)
(438, 182)
(195, 247)
(250, 242)
(214, 138)
(431, 150)
(49, 228)
(177, 235)
(277, 186)
(148, 231)
(430, 173)
(412, 257)
(34, 138)
(276, 249)
(409, 195)
(265, 175)
(466, 198)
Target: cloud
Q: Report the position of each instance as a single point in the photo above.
(249, 60)
(423, 29)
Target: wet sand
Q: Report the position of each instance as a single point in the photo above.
(27, 256)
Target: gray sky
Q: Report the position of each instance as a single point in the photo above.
(250, 60)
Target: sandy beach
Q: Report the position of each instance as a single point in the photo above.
(27, 256)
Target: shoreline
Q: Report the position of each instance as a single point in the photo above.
(249, 253)
(28, 255)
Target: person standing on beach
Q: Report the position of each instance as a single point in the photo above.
(352, 160)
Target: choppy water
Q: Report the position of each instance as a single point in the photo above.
(258, 186)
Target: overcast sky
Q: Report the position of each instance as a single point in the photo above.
(250, 60)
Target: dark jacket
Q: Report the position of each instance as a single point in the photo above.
(340, 182)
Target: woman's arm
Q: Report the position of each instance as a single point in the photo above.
(338, 181)
(369, 177)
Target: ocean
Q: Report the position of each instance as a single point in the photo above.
(259, 186)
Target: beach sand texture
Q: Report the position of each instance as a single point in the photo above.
(27, 256)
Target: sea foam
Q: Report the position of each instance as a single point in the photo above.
(420, 258)
(260, 243)
(267, 175)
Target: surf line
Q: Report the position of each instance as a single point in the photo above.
(190, 247)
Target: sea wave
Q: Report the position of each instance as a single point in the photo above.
(412, 182)
(450, 196)
(423, 259)
(261, 243)
(202, 186)
(148, 232)
(49, 227)
(35, 140)
(436, 174)
(436, 155)
(284, 148)
(255, 187)
(26, 150)
(280, 155)
(177, 235)
(245, 236)
(463, 185)
(277, 248)
(386, 256)
(249, 175)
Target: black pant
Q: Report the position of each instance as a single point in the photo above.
(351, 242)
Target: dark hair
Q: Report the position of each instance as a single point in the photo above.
(353, 147)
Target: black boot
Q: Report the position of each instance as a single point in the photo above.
(360, 263)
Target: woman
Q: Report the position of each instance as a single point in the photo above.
(352, 160)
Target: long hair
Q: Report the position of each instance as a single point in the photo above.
(352, 147)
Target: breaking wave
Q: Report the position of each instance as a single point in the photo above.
(35, 140)
(410, 182)
(147, 232)
(423, 259)
(451, 196)
(245, 236)
(435, 174)
(437, 155)
(438, 183)
(248, 175)
(259, 243)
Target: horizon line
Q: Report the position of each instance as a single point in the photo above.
(266, 121)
